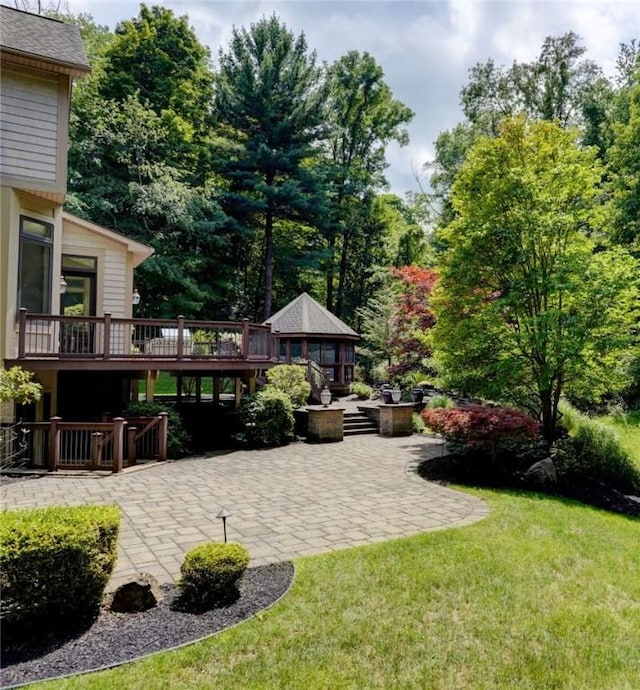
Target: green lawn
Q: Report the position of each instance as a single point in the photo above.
(628, 428)
(542, 594)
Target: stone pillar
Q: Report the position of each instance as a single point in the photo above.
(395, 420)
(325, 424)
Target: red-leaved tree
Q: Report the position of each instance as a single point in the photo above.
(412, 319)
(482, 429)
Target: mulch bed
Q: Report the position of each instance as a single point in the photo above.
(112, 639)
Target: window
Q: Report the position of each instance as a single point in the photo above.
(295, 349)
(34, 273)
(324, 352)
(349, 353)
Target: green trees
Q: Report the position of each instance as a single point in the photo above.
(270, 109)
(525, 309)
(364, 118)
(138, 159)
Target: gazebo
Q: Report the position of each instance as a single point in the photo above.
(308, 331)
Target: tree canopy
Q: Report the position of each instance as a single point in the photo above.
(525, 309)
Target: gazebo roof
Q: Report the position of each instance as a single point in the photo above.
(304, 316)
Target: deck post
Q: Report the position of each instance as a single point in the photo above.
(54, 444)
(245, 338)
(180, 345)
(162, 432)
(106, 335)
(118, 443)
(131, 445)
(22, 332)
(96, 449)
(275, 340)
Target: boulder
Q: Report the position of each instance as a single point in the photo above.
(542, 475)
(138, 595)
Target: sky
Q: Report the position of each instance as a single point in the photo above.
(424, 48)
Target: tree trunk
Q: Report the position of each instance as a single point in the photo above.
(548, 416)
(330, 272)
(342, 275)
(268, 262)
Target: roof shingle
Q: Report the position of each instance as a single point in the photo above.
(32, 35)
(305, 316)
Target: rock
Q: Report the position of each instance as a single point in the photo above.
(138, 595)
(542, 475)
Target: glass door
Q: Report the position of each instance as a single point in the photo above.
(79, 299)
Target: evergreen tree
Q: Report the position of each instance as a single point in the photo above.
(270, 107)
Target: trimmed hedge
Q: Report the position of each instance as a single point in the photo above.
(55, 563)
(210, 573)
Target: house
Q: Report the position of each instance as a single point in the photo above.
(309, 332)
(66, 284)
(39, 58)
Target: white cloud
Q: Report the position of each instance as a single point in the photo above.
(424, 47)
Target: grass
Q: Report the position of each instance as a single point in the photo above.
(165, 384)
(627, 426)
(544, 593)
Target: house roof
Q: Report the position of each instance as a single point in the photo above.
(139, 250)
(304, 316)
(43, 39)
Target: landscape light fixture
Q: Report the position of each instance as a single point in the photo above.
(223, 515)
(396, 394)
(63, 285)
(135, 297)
(325, 396)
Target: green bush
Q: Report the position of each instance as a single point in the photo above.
(177, 437)
(593, 453)
(55, 563)
(292, 380)
(362, 390)
(266, 418)
(440, 401)
(417, 424)
(209, 573)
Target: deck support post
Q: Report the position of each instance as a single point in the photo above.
(54, 444)
(162, 435)
(118, 443)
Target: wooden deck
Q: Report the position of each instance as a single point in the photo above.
(47, 341)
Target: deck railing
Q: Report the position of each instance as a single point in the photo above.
(57, 444)
(106, 337)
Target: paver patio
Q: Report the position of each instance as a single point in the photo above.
(284, 502)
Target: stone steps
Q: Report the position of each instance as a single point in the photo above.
(358, 423)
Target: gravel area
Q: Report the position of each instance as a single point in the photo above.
(114, 639)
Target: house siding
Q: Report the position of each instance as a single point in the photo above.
(29, 126)
(114, 268)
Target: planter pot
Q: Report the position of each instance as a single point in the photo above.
(386, 397)
(417, 394)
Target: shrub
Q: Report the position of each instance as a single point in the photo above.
(417, 424)
(210, 573)
(492, 432)
(361, 390)
(266, 418)
(290, 379)
(441, 401)
(593, 453)
(177, 437)
(55, 563)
